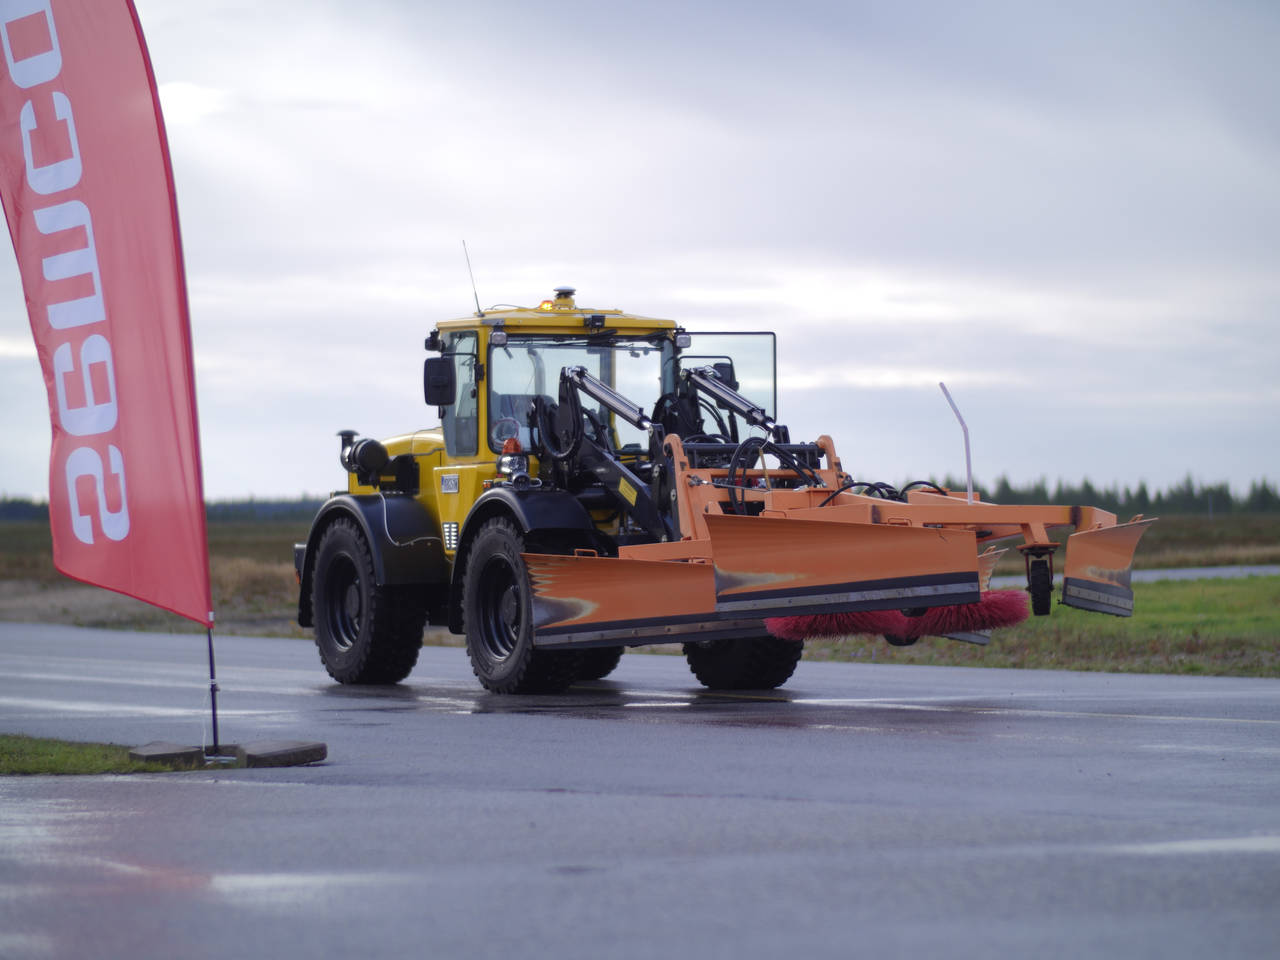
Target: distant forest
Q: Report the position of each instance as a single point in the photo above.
(221, 511)
(1187, 497)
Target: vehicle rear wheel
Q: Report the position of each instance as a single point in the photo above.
(598, 662)
(365, 633)
(497, 614)
(749, 663)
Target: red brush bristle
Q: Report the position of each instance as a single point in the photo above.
(999, 608)
(837, 624)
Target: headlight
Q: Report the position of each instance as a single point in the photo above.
(510, 464)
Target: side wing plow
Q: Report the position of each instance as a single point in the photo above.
(1096, 574)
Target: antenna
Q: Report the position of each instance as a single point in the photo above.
(968, 464)
(479, 312)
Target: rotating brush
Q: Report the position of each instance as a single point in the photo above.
(998, 608)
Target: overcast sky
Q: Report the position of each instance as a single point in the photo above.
(1068, 212)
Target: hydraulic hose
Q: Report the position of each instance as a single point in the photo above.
(745, 454)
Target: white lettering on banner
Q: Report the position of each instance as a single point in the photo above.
(96, 416)
(39, 67)
(92, 418)
(74, 263)
(61, 174)
(85, 462)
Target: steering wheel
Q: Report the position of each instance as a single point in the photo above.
(503, 429)
(560, 426)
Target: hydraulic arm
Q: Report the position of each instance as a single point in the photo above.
(708, 380)
(566, 439)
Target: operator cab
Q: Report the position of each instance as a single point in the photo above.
(591, 394)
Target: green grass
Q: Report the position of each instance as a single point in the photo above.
(1219, 627)
(35, 756)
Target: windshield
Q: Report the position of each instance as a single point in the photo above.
(645, 370)
(529, 367)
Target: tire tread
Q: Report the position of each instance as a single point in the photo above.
(391, 638)
(749, 663)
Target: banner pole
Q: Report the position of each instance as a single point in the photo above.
(213, 695)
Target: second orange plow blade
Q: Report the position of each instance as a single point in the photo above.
(1096, 575)
(779, 567)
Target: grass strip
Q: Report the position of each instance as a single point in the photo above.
(31, 756)
(1212, 627)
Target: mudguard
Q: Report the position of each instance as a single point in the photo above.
(402, 538)
(533, 510)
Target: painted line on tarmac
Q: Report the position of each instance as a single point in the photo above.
(940, 705)
(169, 682)
(280, 890)
(117, 709)
(1030, 712)
(111, 681)
(1211, 750)
(1262, 844)
(1085, 715)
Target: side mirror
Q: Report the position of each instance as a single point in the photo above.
(724, 371)
(439, 387)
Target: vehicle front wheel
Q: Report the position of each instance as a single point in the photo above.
(365, 633)
(750, 663)
(497, 613)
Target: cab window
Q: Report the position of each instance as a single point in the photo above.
(461, 421)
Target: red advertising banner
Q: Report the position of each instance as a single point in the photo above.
(88, 194)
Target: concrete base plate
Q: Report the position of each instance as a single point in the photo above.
(281, 753)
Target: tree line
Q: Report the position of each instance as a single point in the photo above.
(220, 511)
(1185, 497)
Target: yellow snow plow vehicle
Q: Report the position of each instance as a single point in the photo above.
(555, 520)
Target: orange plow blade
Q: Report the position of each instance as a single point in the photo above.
(584, 601)
(780, 567)
(1096, 574)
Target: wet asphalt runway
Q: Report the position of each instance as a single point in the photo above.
(864, 809)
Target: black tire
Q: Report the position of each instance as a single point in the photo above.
(365, 633)
(896, 641)
(497, 615)
(750, 663)
(1040, 586)
(598, 662)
